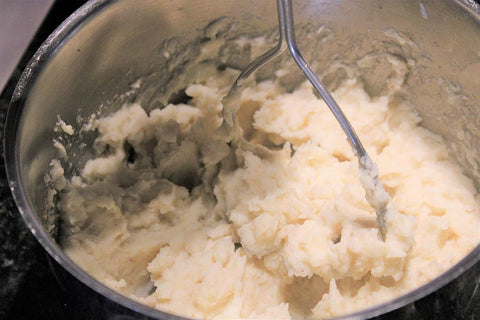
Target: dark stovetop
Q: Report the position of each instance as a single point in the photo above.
(34, 286)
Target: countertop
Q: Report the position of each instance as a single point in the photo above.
(34, 286)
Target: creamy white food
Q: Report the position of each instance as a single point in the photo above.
(172, 215)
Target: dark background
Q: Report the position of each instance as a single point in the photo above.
(34, 286)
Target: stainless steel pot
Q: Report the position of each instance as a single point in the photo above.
(106, 45)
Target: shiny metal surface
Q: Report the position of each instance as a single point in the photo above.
(96, 54)
(286, 8)
(286, 39)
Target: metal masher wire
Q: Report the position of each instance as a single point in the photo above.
(286, 40)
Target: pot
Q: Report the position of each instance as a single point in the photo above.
(95, 56)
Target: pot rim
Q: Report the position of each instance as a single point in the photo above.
(46, 51)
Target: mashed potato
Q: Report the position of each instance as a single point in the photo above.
(174, 215)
